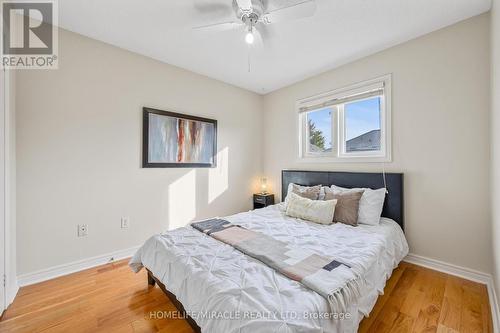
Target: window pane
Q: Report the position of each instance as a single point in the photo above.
(319, 131)
(362, 119)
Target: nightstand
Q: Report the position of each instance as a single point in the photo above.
(262, 200)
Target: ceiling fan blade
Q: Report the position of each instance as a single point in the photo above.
(244, 4)
(297, 11)
(212, 8)
(218, 26)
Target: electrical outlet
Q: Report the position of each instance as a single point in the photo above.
(125, 221)
(83, 230)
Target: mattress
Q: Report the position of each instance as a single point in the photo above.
(224, 290)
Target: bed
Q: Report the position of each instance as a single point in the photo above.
(220, 289)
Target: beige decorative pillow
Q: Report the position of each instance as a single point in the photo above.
(370, 205)
(317, 211)
(309, 192)
(346, 210)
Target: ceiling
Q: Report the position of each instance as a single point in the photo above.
(341, 31)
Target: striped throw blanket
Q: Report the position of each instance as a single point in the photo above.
(334, 280)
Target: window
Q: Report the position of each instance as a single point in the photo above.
(319, 131)
(362, 125)
(348, 124)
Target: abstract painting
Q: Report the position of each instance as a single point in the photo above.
(174, 140)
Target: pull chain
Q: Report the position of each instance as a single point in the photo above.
(385, 181)
(248, 58)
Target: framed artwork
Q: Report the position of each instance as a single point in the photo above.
(175, 140)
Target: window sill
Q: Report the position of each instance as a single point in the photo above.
(349, 159)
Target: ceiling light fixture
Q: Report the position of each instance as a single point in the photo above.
(249, 38)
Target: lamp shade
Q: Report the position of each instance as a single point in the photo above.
(263, 185)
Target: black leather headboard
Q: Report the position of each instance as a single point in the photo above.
(394, 203)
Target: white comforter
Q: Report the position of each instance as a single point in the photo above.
(227, 291)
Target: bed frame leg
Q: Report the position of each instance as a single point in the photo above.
(151, 280)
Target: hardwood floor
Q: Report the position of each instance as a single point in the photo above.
(418, 299)
(111, 298)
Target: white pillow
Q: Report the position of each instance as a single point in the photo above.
(370, 204)
(312, 210)
(322, 193)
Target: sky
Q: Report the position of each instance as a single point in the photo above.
(361, 117)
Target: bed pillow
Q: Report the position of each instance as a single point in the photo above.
(370, 204)
(318, 211)
(322, 192)
(309, 192)
(347, 208)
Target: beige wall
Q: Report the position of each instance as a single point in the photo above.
(495, 137)
(79, 153)
(79, 146)
(440, 129)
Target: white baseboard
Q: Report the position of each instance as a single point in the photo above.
(72, 267)
(466, 273)
(11, 293)
(495, 309)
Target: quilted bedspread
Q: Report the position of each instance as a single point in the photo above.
(224, 290)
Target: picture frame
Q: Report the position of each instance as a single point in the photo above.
(176, 140)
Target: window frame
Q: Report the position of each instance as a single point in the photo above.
(338, 153)
(304, 142)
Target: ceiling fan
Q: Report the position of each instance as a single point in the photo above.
(253, 15)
